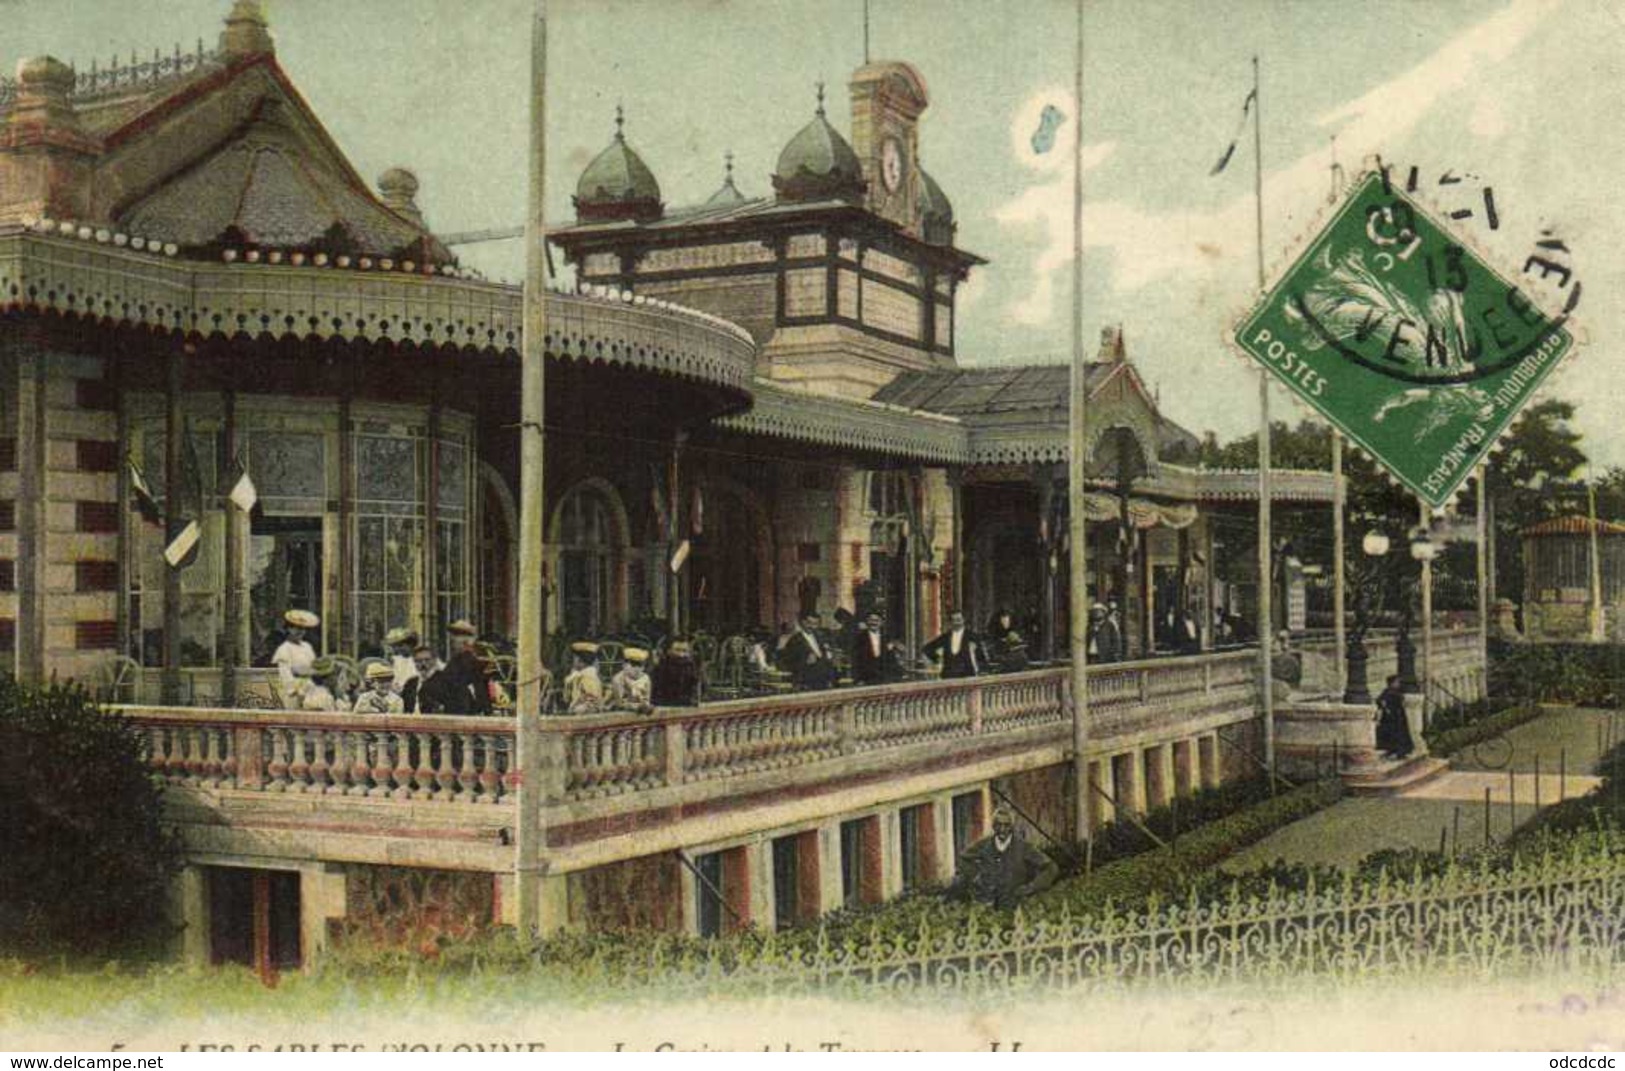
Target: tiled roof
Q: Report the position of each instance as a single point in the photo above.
(275, 194)
(1573, 525)
(980, 391)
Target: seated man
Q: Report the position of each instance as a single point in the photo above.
(1002, 869)
(379, 696)
(630, 689)
(583, 687)
(676, 680)
(805, 658)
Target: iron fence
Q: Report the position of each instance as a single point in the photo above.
(1558, 913)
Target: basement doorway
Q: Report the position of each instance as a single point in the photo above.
(254, 920)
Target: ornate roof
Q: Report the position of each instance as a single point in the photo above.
(875, 427)
(728, 196)
(617, 184)
(205, 151)
(818, 163)
(1573, 525)
(260, 188)
(95, 275)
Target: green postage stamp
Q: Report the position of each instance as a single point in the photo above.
(1405, 340)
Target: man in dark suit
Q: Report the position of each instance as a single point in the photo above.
(466, 681)
(875, 660)
(805, 658)
(955, 649)
(431, 691)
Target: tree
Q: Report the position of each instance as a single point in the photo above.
(87, 862)
(1540, 452)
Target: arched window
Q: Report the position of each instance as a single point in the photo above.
(587, 560)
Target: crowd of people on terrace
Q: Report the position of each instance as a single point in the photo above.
(409, 676)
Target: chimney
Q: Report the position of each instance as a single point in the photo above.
(1111, 345)
(45, 155)
(246, 32)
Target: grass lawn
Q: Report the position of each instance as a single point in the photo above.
(1351, 829)
(1576, 734)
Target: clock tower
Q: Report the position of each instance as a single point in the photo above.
(887, 99)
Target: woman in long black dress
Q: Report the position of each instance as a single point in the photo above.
(1393, 724)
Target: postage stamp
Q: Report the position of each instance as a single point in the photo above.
(1405, 339)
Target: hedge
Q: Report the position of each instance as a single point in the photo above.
(1444, 743)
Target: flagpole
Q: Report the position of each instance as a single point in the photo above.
(528, 862)
(1266, 614)
(1078, 602)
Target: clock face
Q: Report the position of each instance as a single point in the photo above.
(891, 164)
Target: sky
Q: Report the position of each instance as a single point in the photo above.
(1517, 95)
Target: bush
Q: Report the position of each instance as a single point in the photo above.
(86, 861)
(1586, 673)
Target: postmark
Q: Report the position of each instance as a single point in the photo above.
(1406, 339)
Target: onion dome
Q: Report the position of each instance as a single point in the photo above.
(617, 184)
(936, 213)
(729, 194)
(818, 164)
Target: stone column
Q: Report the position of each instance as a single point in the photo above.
(941, 817)
(890, 827)
(30, 508)
(759, 865)
(1101, 810)
(189, 907)
(831, 896)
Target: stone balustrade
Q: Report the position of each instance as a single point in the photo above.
(591, 757)
(420, 757)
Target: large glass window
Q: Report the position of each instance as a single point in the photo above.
(284, 566)
(586, 562)
(451, 584)
(390, 573)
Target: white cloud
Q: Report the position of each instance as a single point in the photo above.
(1147, 246)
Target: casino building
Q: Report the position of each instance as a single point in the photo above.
(191, 268)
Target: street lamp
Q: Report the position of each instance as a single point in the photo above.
(1374, 545)
(1423, 551)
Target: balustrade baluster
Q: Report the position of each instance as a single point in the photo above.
(298, 765)
(157, 750)
(402, 770)
(446, 776)
(423, 777)
(490, 776)
(383, 765)
(467, 776)
(277, 768)
(211, 756)
(320, 739)
(339, 771)
(361, 745)
(194, 756)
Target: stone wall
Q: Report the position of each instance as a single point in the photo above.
(409, 908)
(635, 894)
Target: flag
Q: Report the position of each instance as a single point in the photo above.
(696, 518)
(657, 500)
(185, 520)
(243, 493)
(1230, 150)
(680, 557)
(145, 502)
(1049, 122)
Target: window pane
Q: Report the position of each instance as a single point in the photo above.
(386, 469)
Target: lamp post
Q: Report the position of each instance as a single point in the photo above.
(1423, 551)
(1356, 690)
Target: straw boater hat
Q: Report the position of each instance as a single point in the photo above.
(585, 647)
(399, 637)
(379, 671)
(462, 627)
(323, 666)
(635, 655)
(301, 619)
